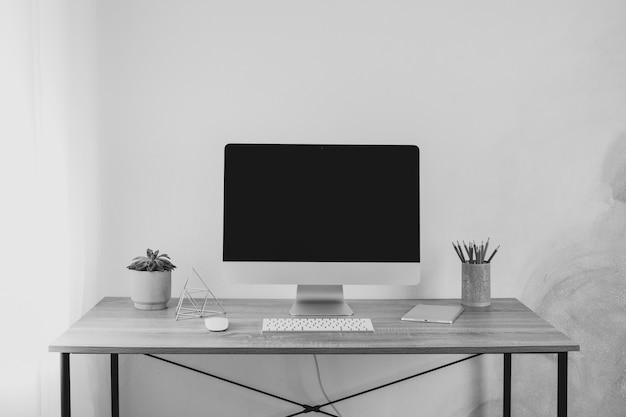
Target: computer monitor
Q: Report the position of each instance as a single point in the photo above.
(321, 216)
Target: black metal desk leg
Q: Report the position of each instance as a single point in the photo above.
(115, 386)
(562, 385)
(66, 404)
(506, 412)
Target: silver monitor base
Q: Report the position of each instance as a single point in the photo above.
(320, 300)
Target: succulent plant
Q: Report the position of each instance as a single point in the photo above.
(152, 262)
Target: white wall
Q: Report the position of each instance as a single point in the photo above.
(516, 99)
(512, 104)
(48, 193)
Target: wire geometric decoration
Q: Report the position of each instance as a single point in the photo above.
(189, 306)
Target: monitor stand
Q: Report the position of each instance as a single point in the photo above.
(320, 300)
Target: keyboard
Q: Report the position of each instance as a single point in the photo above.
(317, 324)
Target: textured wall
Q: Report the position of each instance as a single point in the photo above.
(581, 289)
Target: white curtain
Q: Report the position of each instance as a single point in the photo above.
(48, 185)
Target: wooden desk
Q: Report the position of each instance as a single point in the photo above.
(114, 327)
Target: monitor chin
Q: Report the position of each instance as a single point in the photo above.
(322, 273)
(320, 284)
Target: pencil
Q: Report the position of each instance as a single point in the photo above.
(457, 252)
(476, 254)
(487, 245)
(482, 252)
(493, 254)
(460, 250)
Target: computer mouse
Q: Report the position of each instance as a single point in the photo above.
(216, 323)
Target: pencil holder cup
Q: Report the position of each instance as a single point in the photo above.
(476, 285)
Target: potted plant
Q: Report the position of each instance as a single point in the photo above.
(151, 280)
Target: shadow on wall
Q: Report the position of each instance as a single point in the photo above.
(581, 290)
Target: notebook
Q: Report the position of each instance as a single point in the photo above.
(430, 313)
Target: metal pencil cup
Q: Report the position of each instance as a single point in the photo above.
(476, 286)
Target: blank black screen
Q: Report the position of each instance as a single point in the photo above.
(321, 203)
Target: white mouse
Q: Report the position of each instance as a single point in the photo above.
(216, 323)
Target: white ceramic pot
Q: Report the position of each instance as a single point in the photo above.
(150, 290)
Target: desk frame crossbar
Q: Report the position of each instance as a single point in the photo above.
(306, 408)
(314, 408)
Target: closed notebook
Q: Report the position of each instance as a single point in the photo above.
(430, 313)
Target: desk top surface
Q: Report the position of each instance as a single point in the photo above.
(507, 326)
